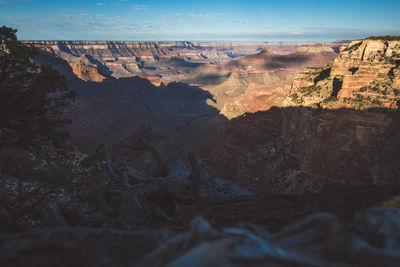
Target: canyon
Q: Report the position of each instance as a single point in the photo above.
(258, 81)
(128, 59)
(300, 140)
(179, 93)
(282, 119)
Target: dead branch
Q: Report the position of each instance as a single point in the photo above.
(158, 212)
(73, 198)
(125, 178)
(149, 147)
(108, 162)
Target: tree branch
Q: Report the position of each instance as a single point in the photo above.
(149, 147)
(108, 161)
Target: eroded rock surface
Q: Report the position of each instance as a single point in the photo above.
(294, 150)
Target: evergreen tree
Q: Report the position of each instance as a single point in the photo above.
(32, 98)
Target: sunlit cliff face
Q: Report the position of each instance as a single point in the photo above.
(365, 75)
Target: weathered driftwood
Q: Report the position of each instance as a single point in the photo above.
(119, 203)
(158, 195)
(179, 186)
(108, 162)
(149, 147)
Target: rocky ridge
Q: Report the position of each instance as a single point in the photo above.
(127, 59)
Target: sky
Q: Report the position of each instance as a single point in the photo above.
(201, 20)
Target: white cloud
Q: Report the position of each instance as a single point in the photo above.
(242, 21)
(100, 4)
(138, 7)
(208, 18)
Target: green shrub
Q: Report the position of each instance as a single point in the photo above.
(295, 98)
(309, 90)
(330, 99)
(384, 38)
(32, 98)
(376, 102)
(353, 47)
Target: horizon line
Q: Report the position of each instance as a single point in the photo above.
(189, 41)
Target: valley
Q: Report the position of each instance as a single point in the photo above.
(174, 92)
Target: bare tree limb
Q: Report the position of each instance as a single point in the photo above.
(108, 161)
(73, 198)
(157, 211)
(149, 147)
(125, 178)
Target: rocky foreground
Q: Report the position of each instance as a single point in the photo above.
(285, 234)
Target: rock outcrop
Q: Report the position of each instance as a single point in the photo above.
(85, 70)
(366, 74)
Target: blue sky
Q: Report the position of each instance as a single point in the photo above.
(202, 20)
